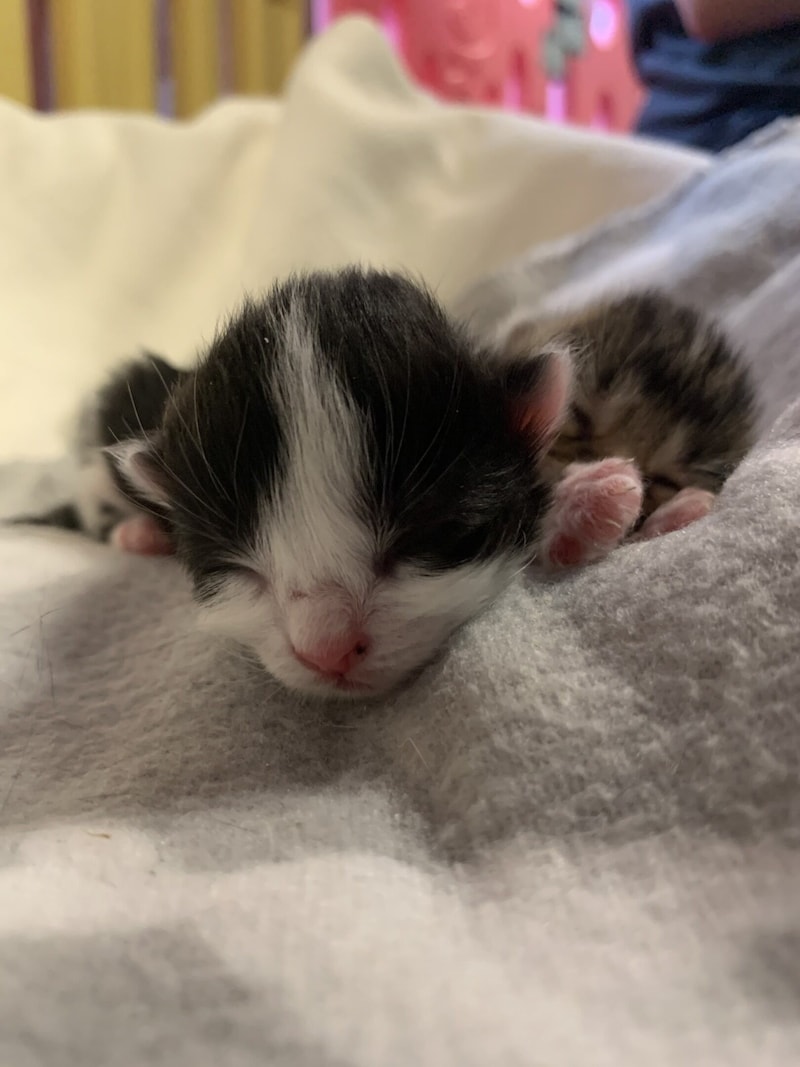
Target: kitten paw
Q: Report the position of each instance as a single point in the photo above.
(142, 536)
(684, 508)
(594, 507)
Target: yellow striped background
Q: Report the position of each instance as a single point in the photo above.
(104, 53)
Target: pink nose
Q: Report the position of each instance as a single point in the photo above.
(334, 657)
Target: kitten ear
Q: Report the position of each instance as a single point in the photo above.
(539, 382)
(139, 464)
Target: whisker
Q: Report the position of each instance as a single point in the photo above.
(142, 430)
(455, 382)
(406, 410)
(205, 503)
(234, 472)
(442, 474)
(198, 442)
(388, 446)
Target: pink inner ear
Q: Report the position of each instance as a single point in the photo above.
(540, 414)
(134, 459)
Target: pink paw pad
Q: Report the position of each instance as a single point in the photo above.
(594, 507)
(683, 509)
(142, 536)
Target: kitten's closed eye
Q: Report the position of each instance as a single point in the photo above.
(661, 481)
(711, 477)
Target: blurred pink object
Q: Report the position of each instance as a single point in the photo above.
(493, 52)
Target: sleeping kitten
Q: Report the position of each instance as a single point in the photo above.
(662, 411)
(348, 476)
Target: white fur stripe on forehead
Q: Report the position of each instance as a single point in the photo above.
(311, 531)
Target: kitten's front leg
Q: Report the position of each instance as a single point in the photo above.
(594, 507)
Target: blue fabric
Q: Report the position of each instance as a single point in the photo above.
(711, 95)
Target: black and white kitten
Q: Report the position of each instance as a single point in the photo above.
(346, 476)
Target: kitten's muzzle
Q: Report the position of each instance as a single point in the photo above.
(333, 658)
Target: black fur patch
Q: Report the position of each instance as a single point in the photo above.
(448, 480)
(132, 403)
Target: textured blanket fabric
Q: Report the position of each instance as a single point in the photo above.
(574, 840)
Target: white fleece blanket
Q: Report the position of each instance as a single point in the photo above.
(571, 842)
